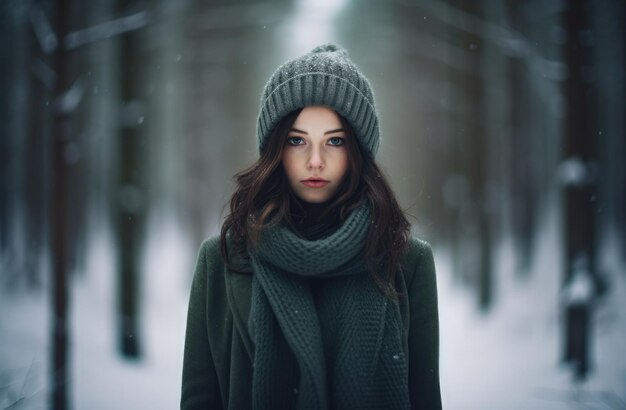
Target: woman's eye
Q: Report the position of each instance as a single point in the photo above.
(336, 141)
(295, 140)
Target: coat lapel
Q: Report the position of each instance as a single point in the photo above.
(238, 291)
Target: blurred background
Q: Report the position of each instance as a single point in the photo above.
(122, 123)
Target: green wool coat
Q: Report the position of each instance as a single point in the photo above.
(217, 367)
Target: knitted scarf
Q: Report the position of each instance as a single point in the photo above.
(341, 350)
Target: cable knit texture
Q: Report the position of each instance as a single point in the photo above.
(346, 344)
(325, 76)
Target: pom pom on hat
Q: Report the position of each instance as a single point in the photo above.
(325, 76)
(330, 47)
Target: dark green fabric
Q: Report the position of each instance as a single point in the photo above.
(217, 368)
(361, 364)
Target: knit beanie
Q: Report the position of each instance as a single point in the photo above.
(325, 76)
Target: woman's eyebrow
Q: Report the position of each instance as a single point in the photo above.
(331, 131)
(306, 133)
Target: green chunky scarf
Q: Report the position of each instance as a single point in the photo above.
(341, 350)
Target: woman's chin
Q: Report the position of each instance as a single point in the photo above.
(314, 197)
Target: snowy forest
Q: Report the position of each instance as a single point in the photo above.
(123, 122)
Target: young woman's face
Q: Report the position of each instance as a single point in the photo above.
(315, 156)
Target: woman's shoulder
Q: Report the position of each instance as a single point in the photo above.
(210, 256)
(418, 259)
(417, 249)
(210, 248)
(211, 251)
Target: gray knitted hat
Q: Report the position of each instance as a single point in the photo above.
(325, 76)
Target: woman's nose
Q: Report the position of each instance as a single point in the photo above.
(315, 159)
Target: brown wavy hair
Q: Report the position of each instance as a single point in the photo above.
(263, 199)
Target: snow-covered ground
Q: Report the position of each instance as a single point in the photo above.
(506, 359)
(99, 377)
(509, 358)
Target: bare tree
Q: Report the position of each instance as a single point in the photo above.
(58, 238)
(131, 195)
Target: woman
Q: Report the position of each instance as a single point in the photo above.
(314, 296)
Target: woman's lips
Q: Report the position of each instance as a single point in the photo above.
(315, 183)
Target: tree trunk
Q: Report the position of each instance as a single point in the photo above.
(131, 193)
(59, 246)
(579, 151)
